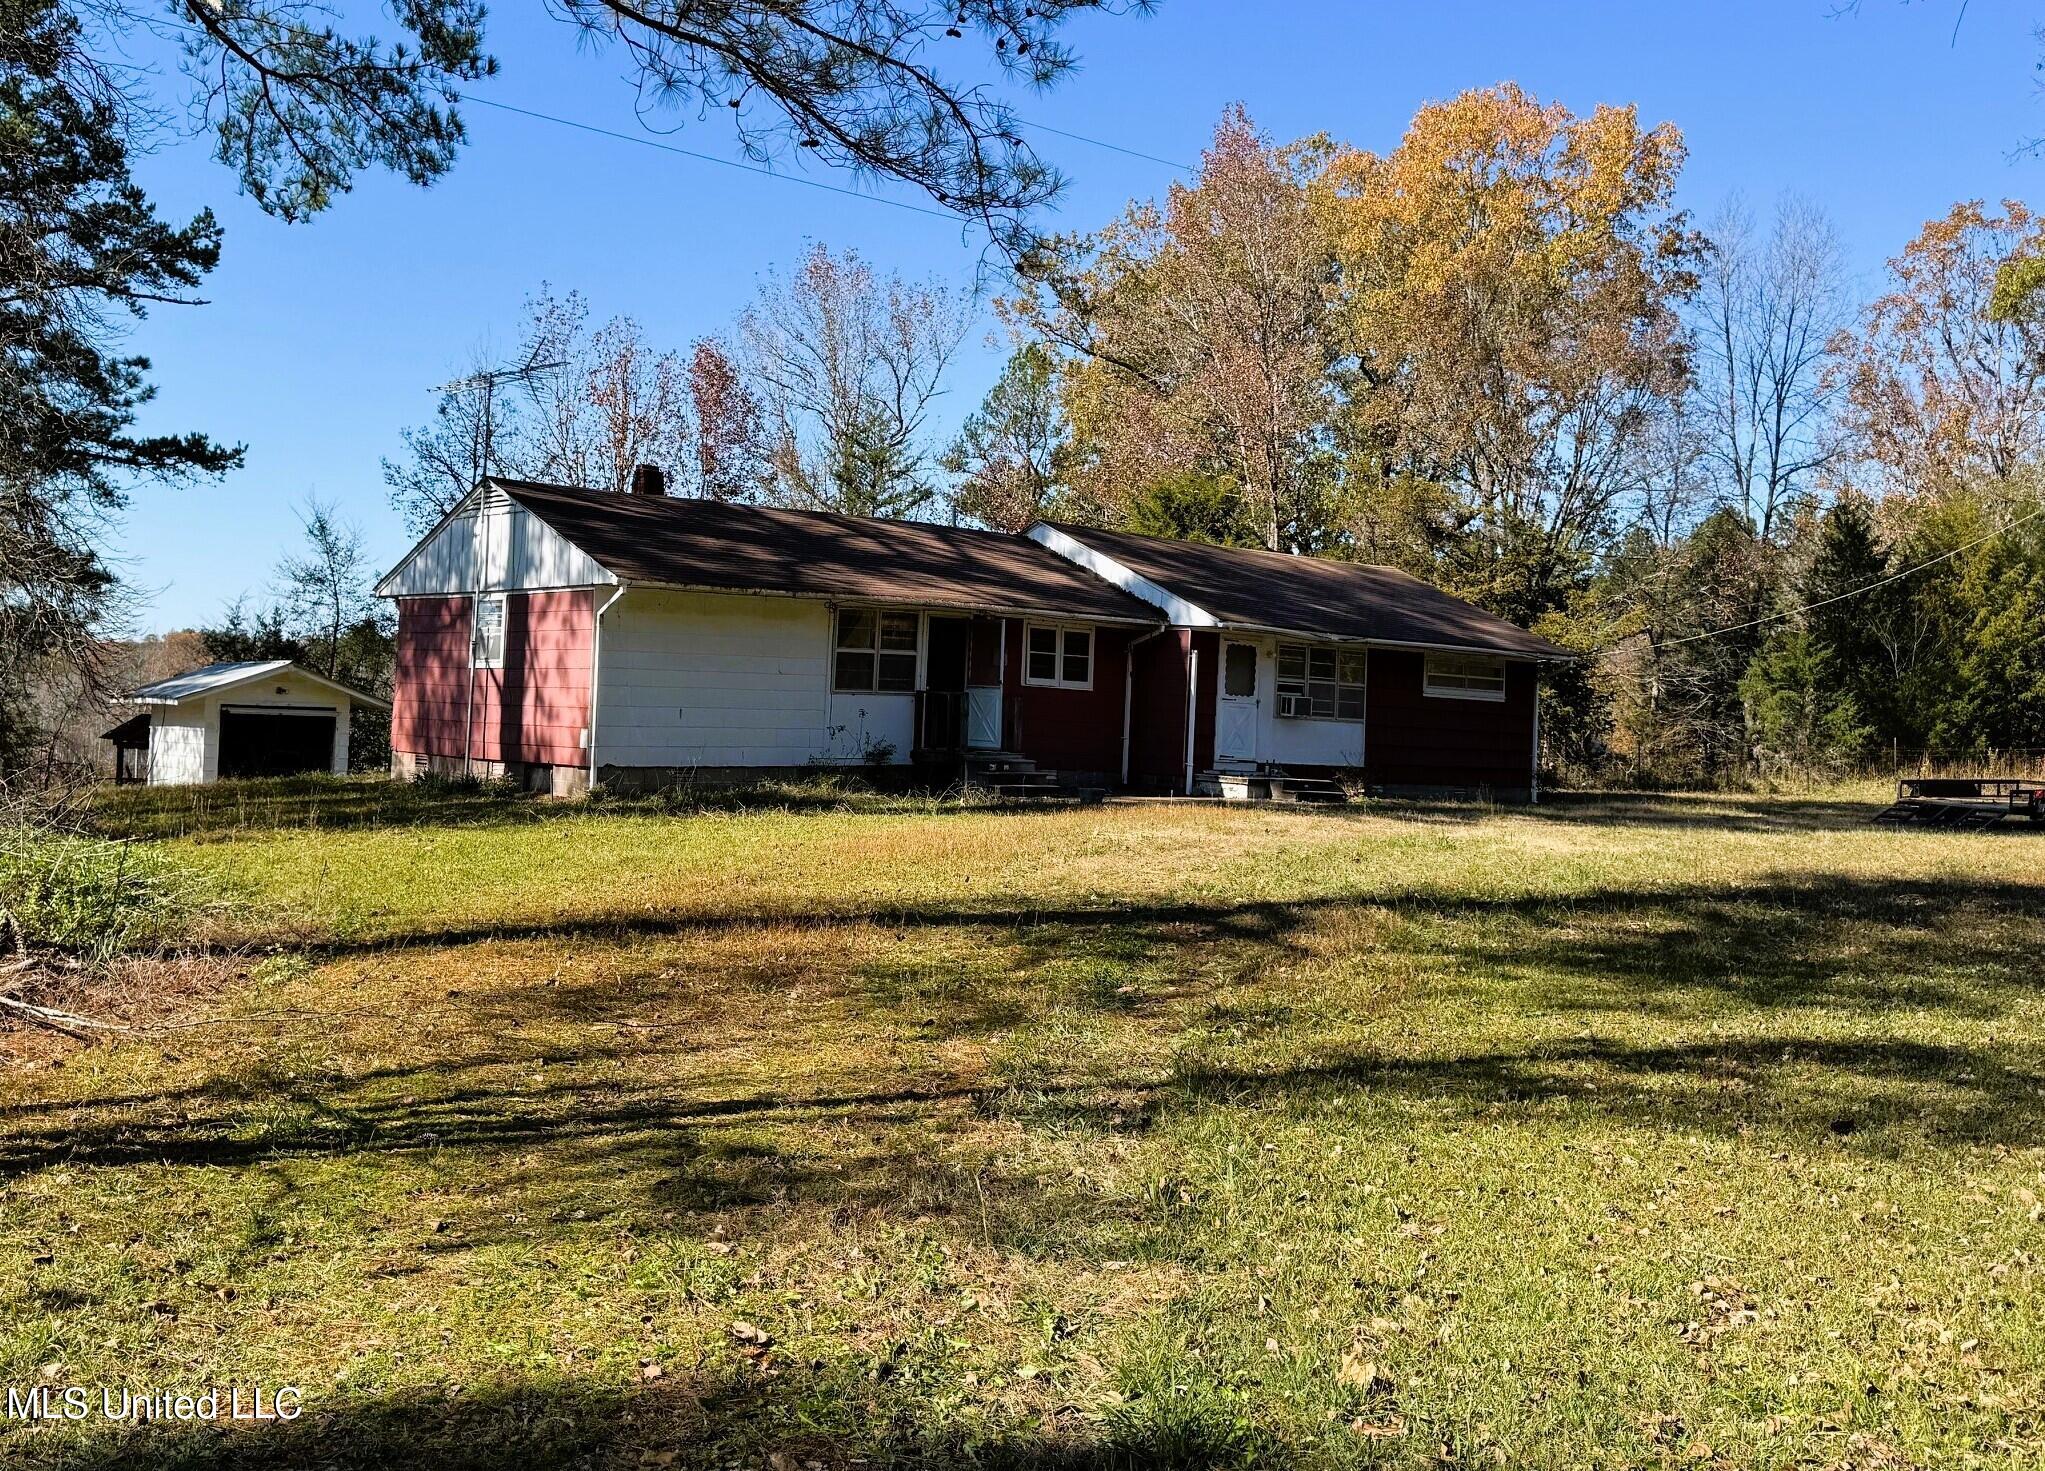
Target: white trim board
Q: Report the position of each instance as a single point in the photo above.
(1176, 609)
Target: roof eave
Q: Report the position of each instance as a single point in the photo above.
(1063, 613)
(269, 671)
(1558, 656)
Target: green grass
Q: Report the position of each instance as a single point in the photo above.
(1631, 1132)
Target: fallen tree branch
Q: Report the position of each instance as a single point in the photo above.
(62, 1021)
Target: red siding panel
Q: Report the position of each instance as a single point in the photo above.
(533, 709)
(429, 689)
(1414, 740)
(1069, 729)
(1157, 734)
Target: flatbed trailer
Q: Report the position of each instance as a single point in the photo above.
(1966, 802)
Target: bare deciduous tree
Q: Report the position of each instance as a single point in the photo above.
(847, 364)
(1766, 317)
(731, 452)
(610, 402)
(324, 589)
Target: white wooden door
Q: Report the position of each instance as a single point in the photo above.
(983, 717)
(1239, 701)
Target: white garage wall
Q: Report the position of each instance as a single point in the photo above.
(177, 745)
(709, 679)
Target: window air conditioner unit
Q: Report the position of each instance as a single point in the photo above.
(1293, 707)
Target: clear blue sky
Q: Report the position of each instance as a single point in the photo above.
(322, 340)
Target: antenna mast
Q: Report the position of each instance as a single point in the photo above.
(487, 379)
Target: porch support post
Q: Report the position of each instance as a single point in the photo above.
(1192, 700)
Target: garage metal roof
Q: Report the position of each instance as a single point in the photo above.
(213, 679)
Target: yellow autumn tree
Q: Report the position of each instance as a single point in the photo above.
(1943, 389)
(1511, 278)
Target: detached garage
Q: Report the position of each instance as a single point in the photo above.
(268, 718)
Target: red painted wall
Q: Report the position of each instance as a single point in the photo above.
(429, 691)
(1157, 738)
(1415, 740)
(1068, 730)
(533, 709)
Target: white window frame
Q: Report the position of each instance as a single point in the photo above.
(1436, 666)
(477, 654)
(1063, 632)
(1283, 685)
(875, 651)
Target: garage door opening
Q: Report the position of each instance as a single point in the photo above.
(276, 742)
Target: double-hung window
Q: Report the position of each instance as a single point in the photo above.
(875, 650)
(489, 637)
(1465, 677)
(1320, 682)
(1058, 655)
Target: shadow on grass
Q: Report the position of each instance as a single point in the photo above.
(1796, 966)
(1963, 943)
(775, 1414)
(323, 802)
(1711, 811)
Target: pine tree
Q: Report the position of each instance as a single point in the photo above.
(1849, 637)
(82, 253)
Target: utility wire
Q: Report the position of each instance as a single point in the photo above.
(1856, 592)
(547, 117)
(1170, 163)
(730, 163)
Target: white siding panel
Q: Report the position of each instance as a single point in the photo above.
(177, 745)
(707, 679)
(445, 563)
(1315, 742)
(504, 547)
(542, 557)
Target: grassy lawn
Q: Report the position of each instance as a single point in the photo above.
(1636, 1132)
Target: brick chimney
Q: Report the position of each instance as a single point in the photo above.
(648, 480)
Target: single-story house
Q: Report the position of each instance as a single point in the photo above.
(565, 636)
(265, 717)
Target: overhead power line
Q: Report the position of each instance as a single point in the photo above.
(730, 163)
(767, 173)
(1170, 163)
(1868, 587)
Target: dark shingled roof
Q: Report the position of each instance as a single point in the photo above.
(1312, 595)
(713, 544)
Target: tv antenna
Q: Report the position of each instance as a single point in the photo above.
(487, 380)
